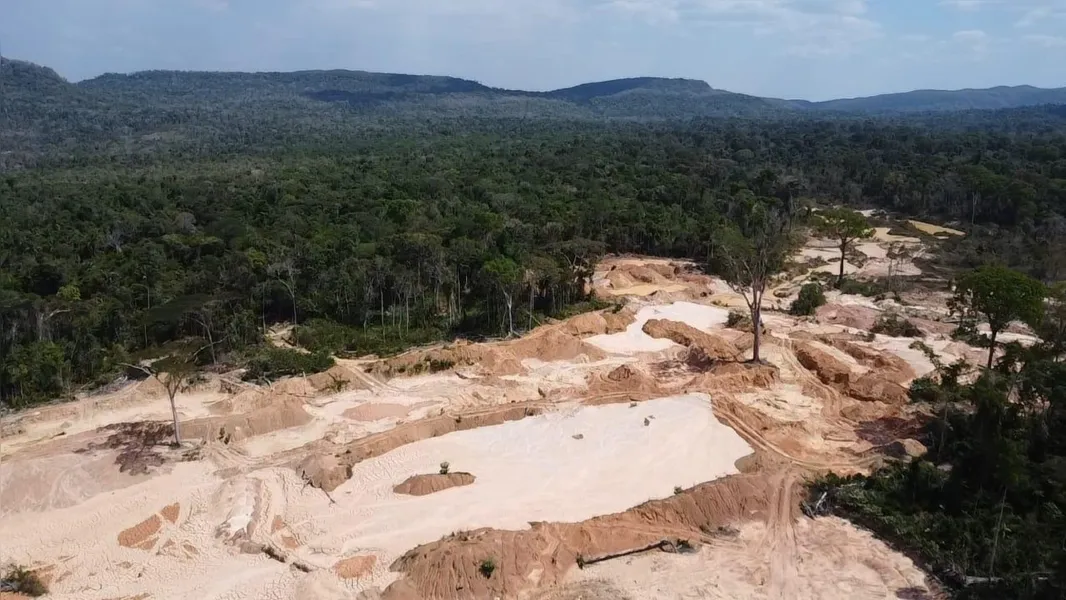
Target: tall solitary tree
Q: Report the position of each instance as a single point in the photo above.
(172, 372)
(844, 226)
(997, 295)
(749, 250)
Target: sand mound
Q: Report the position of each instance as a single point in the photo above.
(875, 387)
(848, 315)
(548, 343)
(551, 345)
(337, 378)
(490, 358)
(599, 323)
(623, 383)
(710, 346)
(355, 567)
(735, 378)
(294, 386)
(423, 485)
(827, 367)
(542, 555)
(323, 471)
(289, 412)
(889, 366)
(247, 401)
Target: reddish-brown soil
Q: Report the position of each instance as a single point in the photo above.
(431, 483)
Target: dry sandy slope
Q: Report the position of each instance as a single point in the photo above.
(543, 423)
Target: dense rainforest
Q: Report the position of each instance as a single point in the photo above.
(397, 238)
(404, 239)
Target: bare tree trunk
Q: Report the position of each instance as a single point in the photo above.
(843, 252)
(756, 326)
(992, 348)
(995, 542)
(174, 413)
(531, 289)
(510, 314)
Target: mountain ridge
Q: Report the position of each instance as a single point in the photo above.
(1001, 96)
(143, 113)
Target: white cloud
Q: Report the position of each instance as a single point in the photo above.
(970, 36)
(1046, 41)
(808, 27)
(967, 5)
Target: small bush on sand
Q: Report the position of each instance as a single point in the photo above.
(678, 489)
(811, 296)
(854, 287)
(444, 466)
(738, 319)
(24, 581)
(894, 325)
(438, 365)
(487, 568)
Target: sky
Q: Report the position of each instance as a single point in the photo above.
(812, 49)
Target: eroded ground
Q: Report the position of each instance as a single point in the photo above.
(586, 442)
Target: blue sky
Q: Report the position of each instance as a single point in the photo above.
(814, 49)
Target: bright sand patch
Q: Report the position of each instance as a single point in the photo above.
(931, 229)
(531, 470)
(881, 234)
(634, 340)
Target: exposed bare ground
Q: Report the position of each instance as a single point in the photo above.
(281, 490)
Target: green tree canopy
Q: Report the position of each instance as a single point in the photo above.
(998, 296)
(844, 226)
(751, 248)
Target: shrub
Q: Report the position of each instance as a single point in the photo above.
(924, 389)
(273, 363)
(24, 581)
(678, 489)
(811, 296)
(487, 568)
(738, 319)
(444, 466)
(437, 365)
(869, 289)
(337, 385)
(892, 324)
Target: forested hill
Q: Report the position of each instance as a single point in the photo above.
(131, 118)
(941, 100)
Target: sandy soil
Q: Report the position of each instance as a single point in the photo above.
(931, 229)
(609, 433)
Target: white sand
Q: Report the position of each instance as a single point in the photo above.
(882, 234)
(934, 229)
(872, 250)
(532, 470)
(634, 340)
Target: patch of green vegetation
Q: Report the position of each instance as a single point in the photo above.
(273, 363)
(811, 296)
(487, 568)
(893, 324)
(24, 581)
(738, 319)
